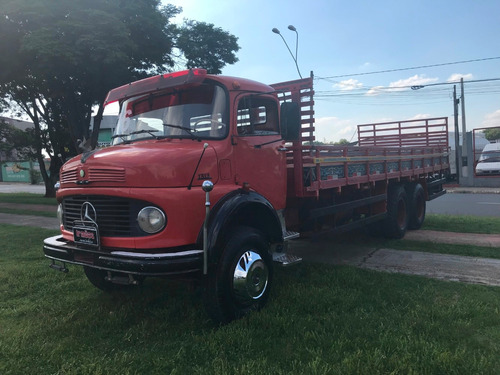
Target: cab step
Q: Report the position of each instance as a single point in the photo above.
(58, 267)
(290, 235)
(285, 260)
(121, 280)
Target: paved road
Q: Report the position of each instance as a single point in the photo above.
(466, 204)
(8, 187)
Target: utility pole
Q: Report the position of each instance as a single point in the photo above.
(457, 141)
(464, 132)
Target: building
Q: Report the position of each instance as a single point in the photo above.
(12, 167)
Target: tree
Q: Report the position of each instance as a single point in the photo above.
(16, 140)
(492, 134)
(342, 141)
(60, 58)
(204, 45)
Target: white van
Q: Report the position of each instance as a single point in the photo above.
(480, 142)
(489, 161)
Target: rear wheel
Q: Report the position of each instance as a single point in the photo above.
(396, 222)
(241, 281)
(417, 206)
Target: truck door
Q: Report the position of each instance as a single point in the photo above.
(256, 146)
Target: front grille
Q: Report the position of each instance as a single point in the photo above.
(69, 176)
(95, 174)
(106, 174)
(116, 217)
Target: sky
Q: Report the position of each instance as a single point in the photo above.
(344, 42)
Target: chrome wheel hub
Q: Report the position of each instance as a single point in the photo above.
(250, 278)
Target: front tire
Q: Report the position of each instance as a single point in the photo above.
(241, 281)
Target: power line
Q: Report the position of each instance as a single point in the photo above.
(431, 93)
(410, 68)
(362, 90)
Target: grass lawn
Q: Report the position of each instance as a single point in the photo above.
(320, 320)
(16, 211)
(462, 224)
(27, 198)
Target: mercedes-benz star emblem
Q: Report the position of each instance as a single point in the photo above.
(88, 213)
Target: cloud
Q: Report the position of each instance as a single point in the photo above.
(416, 80)
(402, 84)
(456, 77)
(348, 85)
(375, 91)
(332, 129)
(491, 119)
(420, 116)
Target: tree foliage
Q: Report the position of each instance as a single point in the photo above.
(206, 45)
(60, 58)
(492, 134)
(13, 140)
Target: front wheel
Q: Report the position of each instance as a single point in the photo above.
(241, 281)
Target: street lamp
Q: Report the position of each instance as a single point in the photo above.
(292, 28)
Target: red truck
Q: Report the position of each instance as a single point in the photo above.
(144, 207)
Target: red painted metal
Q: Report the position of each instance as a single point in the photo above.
(155, 83)
(407, 143)
(410, 133)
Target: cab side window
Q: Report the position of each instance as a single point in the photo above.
(257, 116)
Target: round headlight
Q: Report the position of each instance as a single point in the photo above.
(60, 215)
(151, 220)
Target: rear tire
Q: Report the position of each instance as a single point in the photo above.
(417, 206)
(396, 222)
(241, 281)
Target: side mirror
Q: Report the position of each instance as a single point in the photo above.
(290, 121)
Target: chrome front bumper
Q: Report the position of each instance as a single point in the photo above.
(170, 263)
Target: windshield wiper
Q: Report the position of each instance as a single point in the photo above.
(150, 132)
(190, 131)
(122, 136)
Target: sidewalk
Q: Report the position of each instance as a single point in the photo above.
(472, 190)
(17, 187)
(339, 251)
(30, 221)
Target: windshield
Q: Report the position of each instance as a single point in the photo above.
(198, 112)
(490, 157)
